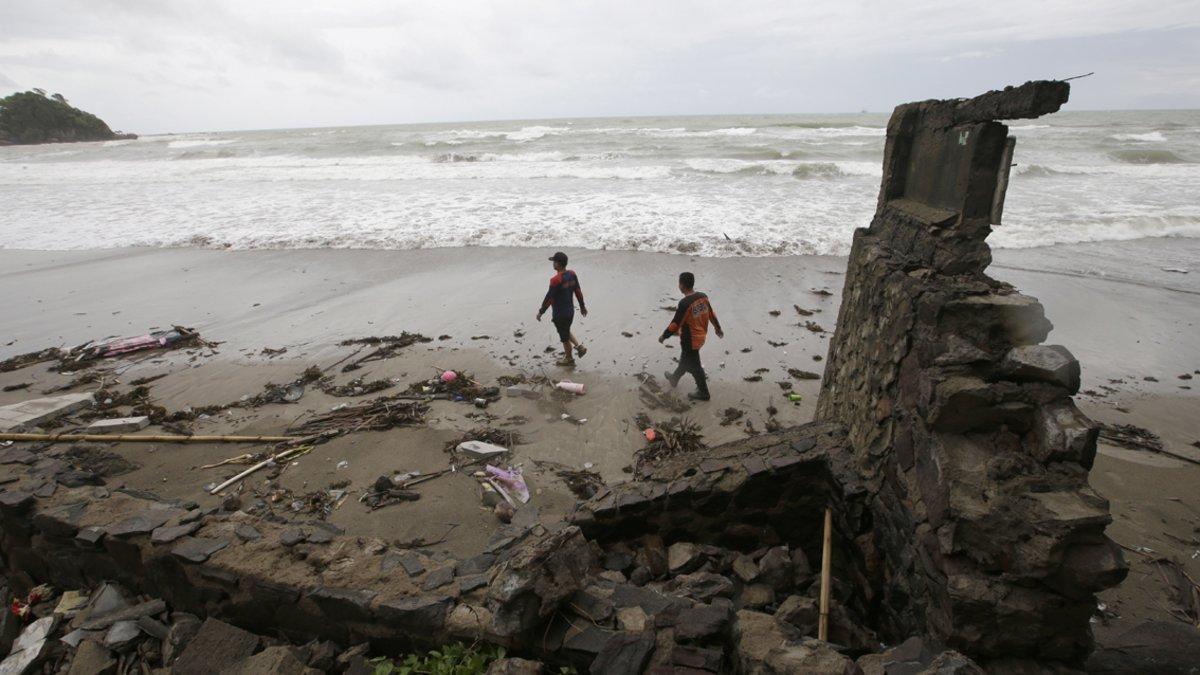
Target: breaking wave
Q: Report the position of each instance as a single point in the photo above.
(201, 142)
(708, 186)
(1151, 137)
(1147, 157)
(1039, 171)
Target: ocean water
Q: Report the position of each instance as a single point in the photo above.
(710, 186)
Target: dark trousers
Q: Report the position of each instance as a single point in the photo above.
(689, 362)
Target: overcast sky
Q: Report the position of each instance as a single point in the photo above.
(156, 65)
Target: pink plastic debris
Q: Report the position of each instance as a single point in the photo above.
(510, 480)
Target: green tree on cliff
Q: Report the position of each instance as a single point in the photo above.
(32, 117)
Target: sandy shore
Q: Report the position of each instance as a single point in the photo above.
(1124, 317)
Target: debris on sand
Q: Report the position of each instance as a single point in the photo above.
(458, 387)
(821, 292)
(511, 380)
(676, 436)
(626, 333)
(355, 387)
(31, 358)
(385, 492)
(1137, 438)
(377, 415)
(319, 503)
(772, 424)
(785, 385)
(1131, 436)
(283, 393)
(653, 396)
(731, 415)
(776, 344)
(147, 380)
(583, 483)
(774, 312)
(803, 374)
(753, 378)
(813, 326)
(17, 387)
(385, 347)
(503, 438)
(801, 311)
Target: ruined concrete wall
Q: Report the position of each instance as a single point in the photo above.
(960, 421)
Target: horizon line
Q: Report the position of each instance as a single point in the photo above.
(599, 117)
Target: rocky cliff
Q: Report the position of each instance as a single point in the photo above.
(32, 117)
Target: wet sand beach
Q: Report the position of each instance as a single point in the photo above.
(1131, 324)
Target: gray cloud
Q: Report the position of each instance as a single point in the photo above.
(152, 65)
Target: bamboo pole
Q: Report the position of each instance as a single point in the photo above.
(826, 550)
(127, 438)
(285, 455)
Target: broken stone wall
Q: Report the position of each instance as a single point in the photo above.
(962, 424)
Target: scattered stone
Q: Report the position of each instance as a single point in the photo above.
(119, 425)
(915, 655)
(701, 622)
(1053, 364)
(122, 635)
(30, 647)
(438, 578)
(198, 549)
(514, 666)
(153, 628)
(247, 533)
(216, 646)
(683, 557)
(144, 522)
(756, 596)
(100, 620)
(291, 536)
(618, 558)
(632, 619)
(279, 660)
(74, 478)
(623, 654)
(701, 586)
(37, 411)
(745, 568)
(319, 535)
(92, 658)
(800, 611)
(776, 569)
(470, 583)
(594, 603)
(166, 535)
(183, 628)
(764, 645)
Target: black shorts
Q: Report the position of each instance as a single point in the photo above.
(563, 324)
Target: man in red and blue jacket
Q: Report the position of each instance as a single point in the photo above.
(690, 322)
(564, 289)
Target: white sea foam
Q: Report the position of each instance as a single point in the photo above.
(1151, 137)
(772, 184)
(200, 142)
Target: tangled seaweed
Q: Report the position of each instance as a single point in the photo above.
(385, 347)
(677, 436)
(380, 414)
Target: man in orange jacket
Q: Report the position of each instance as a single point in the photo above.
(691, 324)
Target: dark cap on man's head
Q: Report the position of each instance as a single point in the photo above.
(560, 258)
